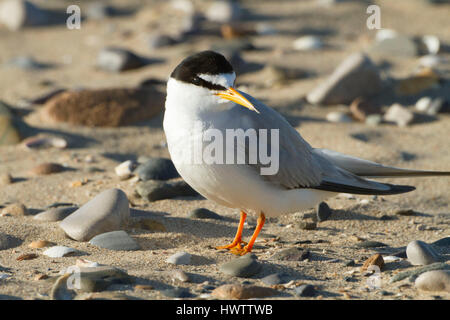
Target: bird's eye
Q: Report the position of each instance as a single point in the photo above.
(196, 80)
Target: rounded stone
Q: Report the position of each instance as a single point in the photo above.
(115, 240)
(47, 168)
(8, 242)
(179, 258)
(323, 212)
(305, 290)
(419, 253)
(59, 252)
(436, 280)
(245, 266)
(157, 169)
(15, 209)
(108, 211)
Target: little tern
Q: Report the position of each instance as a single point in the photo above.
(201, 97)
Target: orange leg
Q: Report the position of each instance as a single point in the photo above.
(248, 248)
(238, 238)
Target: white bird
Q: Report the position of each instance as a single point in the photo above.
(201, 99)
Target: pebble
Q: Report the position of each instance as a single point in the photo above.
(376, 259)
(307, 43)
(8, 242)
(125, 169)
(47, 168)
(108, 211)
(399, 115)
(405, 212)
(27, 63)
(245, 266)
(338, 117)
(265, 29)
(202, 213)
(98, 11)
(115, 59)
(4, 276)
(55, 214)
(15, 210)
(157, 40)
(370, 244)
(27, 256)
(431, 44)
(416, 272)
(5, 179)
(323, 212)
(180, 275)
(152, 190)
(291, 254)
(177, 293)
(115, 240)
(307, 225)
(224, 11)
(157, 169)
(109, 107)
(59, 252)
(238, 291)
(437, 280)
(430, 106)
(39, 244)
(275, 278)
(43, 142)
(9, 131)
(305, 290)
(393, 46)
(419, 253)
(374, 119)
(179, 258)
(357, 76)
(274, 75)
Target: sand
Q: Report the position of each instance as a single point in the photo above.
(428, 142)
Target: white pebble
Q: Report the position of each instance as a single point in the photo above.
(58, 251)
(431, 43)
(307, 43)
(125, 169)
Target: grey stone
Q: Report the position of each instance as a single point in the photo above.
(291, 254)
(179, 258)
(436, 280)
(59, 252)
(305, 290)
(419, 253)
(55, 214)
(180, 275)
(202, 213)
(224, 11)
(275, 278)
(395, 46)
(399, 115)
(60, 291)
(157, 169)
(115, 59)
(355, 77)
(177, 293)
(152, 190)
(323, 212)
(115, 240)
(108, 211)
(245, 266)
(338, 117)
(8, 242)
(27, 63)
(160, 40)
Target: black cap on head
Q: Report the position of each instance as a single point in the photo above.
(205, 62)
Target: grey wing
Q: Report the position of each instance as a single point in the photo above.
(301, 166)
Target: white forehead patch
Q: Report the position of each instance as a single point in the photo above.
(224, 79)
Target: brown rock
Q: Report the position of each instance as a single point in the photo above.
(47, 168)
(361, 108)
(26, 256)
(376, 260)
(104, 107)
(39, 244)
(234, 31)
(237, 291)
(15, 209)
(40, 276)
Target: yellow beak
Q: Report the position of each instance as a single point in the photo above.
(232, 95)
